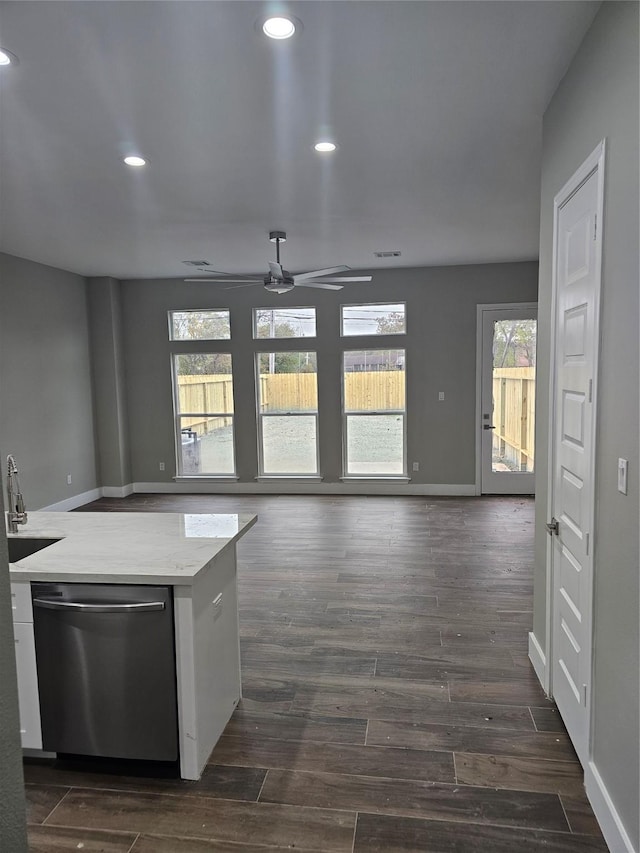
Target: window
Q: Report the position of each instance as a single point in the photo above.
(374, 319)
(284, 323)
(287, 391)
(203, 388)
(374, 413)
(199, 325)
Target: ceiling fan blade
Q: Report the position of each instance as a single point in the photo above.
(318, 273)
(318, 284)
(246, 284)
(341, 278)
(247, 280)
(276, 270)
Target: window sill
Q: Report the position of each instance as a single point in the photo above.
(304, 478)
(190, 478)
(382, 478)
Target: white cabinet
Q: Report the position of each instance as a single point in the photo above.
(28, 698)
(207, 660)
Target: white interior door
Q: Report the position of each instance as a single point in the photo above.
(507, 398)
(576, 295)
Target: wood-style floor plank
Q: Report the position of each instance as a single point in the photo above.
(414, 798)
(203, 817)
(382, 834)
(56, 839)
(41, 800)
(256, 751)
(467, 739)
(523, 774)
(386, 681)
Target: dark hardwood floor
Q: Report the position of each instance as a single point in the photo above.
(389, 704)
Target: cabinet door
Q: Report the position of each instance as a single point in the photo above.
(30, 729)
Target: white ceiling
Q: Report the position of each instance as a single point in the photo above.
(436, 107)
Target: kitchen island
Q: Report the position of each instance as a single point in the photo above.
(195, 554)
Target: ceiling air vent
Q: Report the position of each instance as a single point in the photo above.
(387, 254)
(197, 263)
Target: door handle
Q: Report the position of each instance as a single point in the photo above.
(553, 527)
(488, 426)
(132, 607)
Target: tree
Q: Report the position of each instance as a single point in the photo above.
(201, 326)
(514, 343)
(391, 324)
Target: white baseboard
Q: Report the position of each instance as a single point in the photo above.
(73, 502)
(606, 814)
(117, 491)
(539, 662)
(291, 487)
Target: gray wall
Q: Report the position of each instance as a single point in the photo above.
(441, 356)
(13, 836)
(112, 425)
(46, 417)
(598, 99)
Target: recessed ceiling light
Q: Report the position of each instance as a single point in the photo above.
(135, 161)
(278, 28)
(7, 58)
(325, 147)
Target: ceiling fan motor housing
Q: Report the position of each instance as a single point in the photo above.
(276, 285)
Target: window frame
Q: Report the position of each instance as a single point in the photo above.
(177, 415)
(173, 311)
(370, 305)
(346, 474)
(261, 415)
(254, 322)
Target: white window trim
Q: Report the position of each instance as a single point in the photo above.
(177, 429)
(254, 323)
(346, 475)
(370, 334)
(173, 311)
(291, 474)
(262, 474)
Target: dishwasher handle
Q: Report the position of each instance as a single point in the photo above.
(130, 607)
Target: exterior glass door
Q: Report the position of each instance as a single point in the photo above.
(508, 400)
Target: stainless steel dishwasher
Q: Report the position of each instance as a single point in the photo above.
(106, 670)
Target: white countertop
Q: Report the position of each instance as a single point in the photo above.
(126, 547)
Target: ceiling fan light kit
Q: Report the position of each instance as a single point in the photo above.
(280, 280)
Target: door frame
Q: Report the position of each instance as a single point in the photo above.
(594, 162)
(480, 309)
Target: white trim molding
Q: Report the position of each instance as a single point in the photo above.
(539, 661)
(117, 491)
(292, 487)
(73, 502)
(606, 813)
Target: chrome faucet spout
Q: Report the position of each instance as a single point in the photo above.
(17, 513)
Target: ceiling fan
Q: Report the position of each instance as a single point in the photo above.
(280, 280)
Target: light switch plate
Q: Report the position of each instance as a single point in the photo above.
(623, 475)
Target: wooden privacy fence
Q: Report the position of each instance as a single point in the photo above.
(514, 407)
(204, 393)
(380, 390)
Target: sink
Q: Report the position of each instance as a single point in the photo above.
(21, 548)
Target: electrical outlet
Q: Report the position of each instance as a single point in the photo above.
(623, 475)
(440, 395)
(162, 466)
(416, 466)
(68, 479)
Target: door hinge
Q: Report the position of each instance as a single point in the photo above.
(584, 695)
(591, 390)
(586, 536)
(595, 226)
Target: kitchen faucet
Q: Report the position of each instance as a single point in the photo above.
(17, 513)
